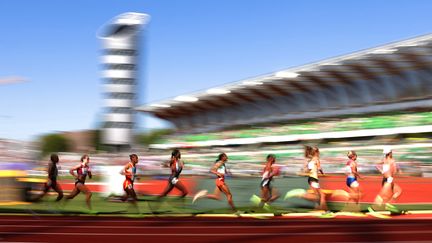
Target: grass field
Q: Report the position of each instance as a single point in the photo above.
(241, 188)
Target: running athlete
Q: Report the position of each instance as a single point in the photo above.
(52, 179)
(219, 170)
(268, 193)
(129, 171)
(389, 190)
(352, 176)
(82, 170)
(176, 166)
(312, 167)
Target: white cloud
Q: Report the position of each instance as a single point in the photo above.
(12, 79)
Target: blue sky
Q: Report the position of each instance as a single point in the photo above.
(189, 45)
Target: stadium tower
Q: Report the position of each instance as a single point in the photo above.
(120, 48)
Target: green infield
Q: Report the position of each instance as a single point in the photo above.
(242, 189)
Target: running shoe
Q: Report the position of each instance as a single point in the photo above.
(294, 193)
(200, 194)
(392, 208)
(255, 200)
(267, 207)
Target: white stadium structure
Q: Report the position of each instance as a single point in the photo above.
(387, 88)
(120, 40)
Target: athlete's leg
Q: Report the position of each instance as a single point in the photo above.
(224, 188)
(274, 193)
(179, 185)
(386, 192)
(215, 195)
(74, 192)
(265, 194)
(322, 200)
(45, 190)
(59, 190)
(167, 190)
(397, 191)
(130, 192)
(87, 192)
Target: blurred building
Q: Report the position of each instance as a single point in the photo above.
(374, 92)
(121, 45)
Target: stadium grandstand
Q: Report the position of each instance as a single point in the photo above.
(386, 79)
(371, 97)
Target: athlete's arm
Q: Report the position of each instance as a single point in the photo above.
(354, 170)
(173, 168)
(319, 167)
(124, 171)
(305, 166)
(215, 167)
(228, 171)
(398, 169)
(50, 171)
(89, 173)
(72, 171)
(379, 166)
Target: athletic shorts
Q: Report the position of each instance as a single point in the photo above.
(266, 183)
(313, 182)
(220, 182)
(387, 180)
(173, 180)
(79, 182)
(352, 182)
(128, 184)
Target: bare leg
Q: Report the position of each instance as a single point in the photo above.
(179, 185)
(322, 201)
(228, 195)
(354, 194)
(397, 191)
(215, 195)
(44, 192)
(386, 193)
(74, 193)
(274, 195)
(59, 190)
(265, 195)
(87, 192)
(167, 190)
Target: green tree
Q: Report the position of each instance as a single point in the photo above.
(53, 143)
(153, 136)
(96, 140)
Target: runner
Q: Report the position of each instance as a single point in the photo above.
(176, 166)
(219, 169)
(129, 171)
(389, 190)
(52, 179)
(82, 170)
(352, 176)
(268, 193)
(312, 167)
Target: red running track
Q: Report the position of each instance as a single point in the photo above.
(414, 189)
(149, 187)
(409, 228)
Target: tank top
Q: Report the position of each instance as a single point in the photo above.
(131, 171)
(313, 169)
(222, 170)
(348, 168)
(178, 169)
(83, 172)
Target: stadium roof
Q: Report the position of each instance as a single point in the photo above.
(393, 58)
